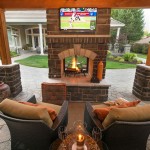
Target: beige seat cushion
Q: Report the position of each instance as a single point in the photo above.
(101, 113)
(122, 101)
(102, 110)
(19, 110)
(53, 106)
(133, 114)
(118, 101)
(99, 106)
(52, 109)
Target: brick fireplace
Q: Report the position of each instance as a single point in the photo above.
(90, 44)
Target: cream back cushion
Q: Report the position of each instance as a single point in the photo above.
(55, 107)
(100, 106)
(133, 114)
(19, 110)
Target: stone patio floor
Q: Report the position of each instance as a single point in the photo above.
(121, 81)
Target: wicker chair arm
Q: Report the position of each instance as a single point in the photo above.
(90, 119)
(32, 99)
(23, 130)
(61, 120)
(62, 116)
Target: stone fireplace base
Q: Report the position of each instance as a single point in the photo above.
(81, 89)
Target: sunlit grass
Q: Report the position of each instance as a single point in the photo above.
(40, 61)
(35, 61)
(118, 65)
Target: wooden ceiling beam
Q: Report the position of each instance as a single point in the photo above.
(45, 4)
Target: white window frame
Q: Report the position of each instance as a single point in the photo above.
(34, 34)
(12, 37)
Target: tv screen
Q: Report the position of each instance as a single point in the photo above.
(78, 18)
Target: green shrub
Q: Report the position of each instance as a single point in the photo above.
(130, 60)
(27, 47)
(145, 49)
(129, 56)
(109, 53)
(13, 54)
(135, 60)
(140, 48)
(117, 58)
(139, 62)
(121, 60)
(137, 48)
(110, 57)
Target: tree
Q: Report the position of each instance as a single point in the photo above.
(133, 20)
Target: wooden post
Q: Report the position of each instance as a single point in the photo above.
(4, 46)
(148, 57)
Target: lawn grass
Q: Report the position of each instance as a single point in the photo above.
(40, 61)
(118, 65)
(141, 55)
(35, 61)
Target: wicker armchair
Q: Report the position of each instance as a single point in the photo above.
(120, 135)
(34, 134)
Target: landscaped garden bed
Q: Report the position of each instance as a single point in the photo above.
(130, 58)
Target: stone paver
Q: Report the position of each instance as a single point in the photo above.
(121, 81)
(5, 145)
(5, 134)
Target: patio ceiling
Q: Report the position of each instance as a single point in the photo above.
(36, 4)
(22, 17)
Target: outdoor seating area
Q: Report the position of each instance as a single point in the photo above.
(74, 94)
(127, 130)
(31, 128)
(74, 111)
(30, 119)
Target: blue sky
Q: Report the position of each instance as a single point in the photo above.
(147, 19)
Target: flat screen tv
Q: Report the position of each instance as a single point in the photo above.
(78, 18)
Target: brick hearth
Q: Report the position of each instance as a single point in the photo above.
(80, 88)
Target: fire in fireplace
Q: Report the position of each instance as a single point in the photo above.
(75, 65)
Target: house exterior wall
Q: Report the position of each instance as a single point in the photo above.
(22, 35)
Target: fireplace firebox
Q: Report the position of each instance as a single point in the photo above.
(76, 65)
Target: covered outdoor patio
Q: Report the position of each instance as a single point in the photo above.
(101, 36)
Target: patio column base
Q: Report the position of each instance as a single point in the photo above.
(141, 86)
(10, 74)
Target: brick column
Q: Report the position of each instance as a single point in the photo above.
(10, 74)
(141, 86)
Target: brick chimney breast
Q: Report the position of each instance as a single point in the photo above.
(92, 44)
